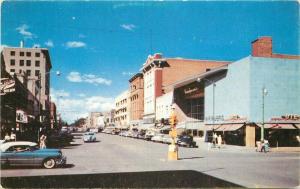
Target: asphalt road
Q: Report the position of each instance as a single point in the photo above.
(115, 154)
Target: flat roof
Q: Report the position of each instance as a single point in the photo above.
(193, 78)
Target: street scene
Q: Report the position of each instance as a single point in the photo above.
(140, 94)
(134, 155)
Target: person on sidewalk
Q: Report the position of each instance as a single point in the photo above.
(214, 139)
(43, 142)
(13, 137)
(219, 141)
(7, 137)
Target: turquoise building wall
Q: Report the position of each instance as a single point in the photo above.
(240, 91)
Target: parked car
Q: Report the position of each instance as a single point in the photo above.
(149, 134)
(29, 154)
(168, 140)
(141, 135)
(157, 138)
(134, 134)
(186, 141)
(89, 137)
(95, 130)
(57, 139)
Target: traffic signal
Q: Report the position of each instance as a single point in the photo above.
(173, 120)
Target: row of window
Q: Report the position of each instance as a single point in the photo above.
(28, 72)
(21, 62)
(28, 54)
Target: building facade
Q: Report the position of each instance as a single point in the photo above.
(239, 94)
(160, 73)
(35, 62)
(122, 109)
(136, 84)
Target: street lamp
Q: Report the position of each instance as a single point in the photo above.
(264, 93)
(214, 85)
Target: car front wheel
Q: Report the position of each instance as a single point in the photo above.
(49, 163)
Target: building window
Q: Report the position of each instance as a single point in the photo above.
(28, 72)
(20, 71)
(37, 54)
(21, 62)
(12, 62)
(12, 70)
(37, 73)
(28, 54)
(28, 63)
(37, 63)
(21, 53)
(12, 53)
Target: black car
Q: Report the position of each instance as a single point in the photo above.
(186, 141)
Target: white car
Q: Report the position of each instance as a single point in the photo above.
(89, 137)
(157, 138)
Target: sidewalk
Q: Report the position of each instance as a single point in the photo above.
(206, 145)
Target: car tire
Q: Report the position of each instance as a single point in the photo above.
(49, 163)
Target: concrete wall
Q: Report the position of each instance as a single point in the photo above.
(164, 106)
(240, 92)
(232, 95)
(281, 78)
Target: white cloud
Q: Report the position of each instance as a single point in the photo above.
(74, 108)
(75, 44)
(127, 73)
(129, 27)
(87, 78)
(36, 45)
(23, 30)
(49, 43)
(82, 95)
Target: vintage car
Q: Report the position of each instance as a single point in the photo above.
(186, 141)
(24, 153)
(89, 137)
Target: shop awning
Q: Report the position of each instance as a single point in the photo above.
(227, 127)
(211, 127)
(278, 126)
(298, 126)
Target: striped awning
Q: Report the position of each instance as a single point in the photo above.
(279, 126)
(230, 127)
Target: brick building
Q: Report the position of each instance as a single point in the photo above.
(160, 72)
(136, 99)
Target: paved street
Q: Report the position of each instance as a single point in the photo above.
(115, 154)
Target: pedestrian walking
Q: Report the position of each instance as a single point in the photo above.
(214, 139)
(7, 137)
(13, 136)
(219, 141)
(43, 142)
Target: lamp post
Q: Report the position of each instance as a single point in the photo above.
(214, 85)
(264, 93)
(58, 73)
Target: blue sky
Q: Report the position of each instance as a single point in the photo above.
(98, 45)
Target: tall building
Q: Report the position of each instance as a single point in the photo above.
(136, 99)
(232, 99)
(122, 109)
(36, 63)
(160, 72)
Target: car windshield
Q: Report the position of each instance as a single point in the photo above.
(89, 134)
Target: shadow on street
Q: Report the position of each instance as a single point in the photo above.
(155, 179)
(189, 158)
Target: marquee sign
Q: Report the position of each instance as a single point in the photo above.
(7, 86)
(21, 116)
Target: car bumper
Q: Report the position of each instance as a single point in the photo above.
(61, 161)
